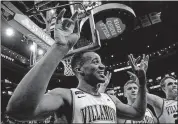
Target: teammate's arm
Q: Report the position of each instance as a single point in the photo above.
(137, 110)
(28, 98)
(156, 102)
(128, 112)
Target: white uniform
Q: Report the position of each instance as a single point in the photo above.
(92, 109)
(148, 119)
(169, 109)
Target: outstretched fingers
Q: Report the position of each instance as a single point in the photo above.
(74, 16)
(131, 61)
(137, 60)
(60, 16)
(77, 28)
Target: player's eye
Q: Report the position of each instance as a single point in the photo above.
(170, 83)
(95, 61)
(129, 88)
(135, 88)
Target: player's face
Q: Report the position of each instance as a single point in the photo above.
(131, 91)
(93, 68)
(170, 87)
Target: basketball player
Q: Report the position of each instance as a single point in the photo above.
(165, 108)
(130, 92)
(83, 104)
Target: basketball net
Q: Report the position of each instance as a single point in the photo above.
(67, 66)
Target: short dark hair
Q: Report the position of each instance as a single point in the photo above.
(77, 59)
(165, 78)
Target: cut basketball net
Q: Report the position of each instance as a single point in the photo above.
(67, 66)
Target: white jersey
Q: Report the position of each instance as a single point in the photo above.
(169, 109)
(92, 109)
(149, 118)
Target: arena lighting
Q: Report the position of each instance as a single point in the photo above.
(173, 73)
(40, 52)
(3, 92)
(9, 32)
(52, 11)
(150, 80)
(166, 75)
(124, 68)
(155, 86)
(32, 48)
(158, 78)
(118, 87)
(10, 93)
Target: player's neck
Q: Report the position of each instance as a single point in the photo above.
(84, 86)
(171, 97)
(130, 101)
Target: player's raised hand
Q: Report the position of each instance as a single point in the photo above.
(67, 30)
(144, 63)
(138, 70)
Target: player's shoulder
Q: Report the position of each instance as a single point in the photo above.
(63, 92)
(114, 98)
(168, 101)
(59, 91)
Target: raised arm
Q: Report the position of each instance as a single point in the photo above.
(156, 102)
(134, 112)
(137, 110)
(28, 98)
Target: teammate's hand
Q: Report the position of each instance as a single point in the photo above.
(138, 70)
(107, 78)
(144, 63)
(103, 86)
(67, 31)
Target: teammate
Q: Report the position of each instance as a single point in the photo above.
(165, 108)
(83, 104)
(130, 92)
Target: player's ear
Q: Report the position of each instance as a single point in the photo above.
(163, 88)
(124, 94)
(79, 71)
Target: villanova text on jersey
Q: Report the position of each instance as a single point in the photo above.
(98, 113)
(171, 109)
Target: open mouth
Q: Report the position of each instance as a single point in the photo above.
(101, 72)
(134, 94)
(175, 89)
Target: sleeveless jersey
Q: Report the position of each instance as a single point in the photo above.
(92, 109)
(169, 110)
(148, 119)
